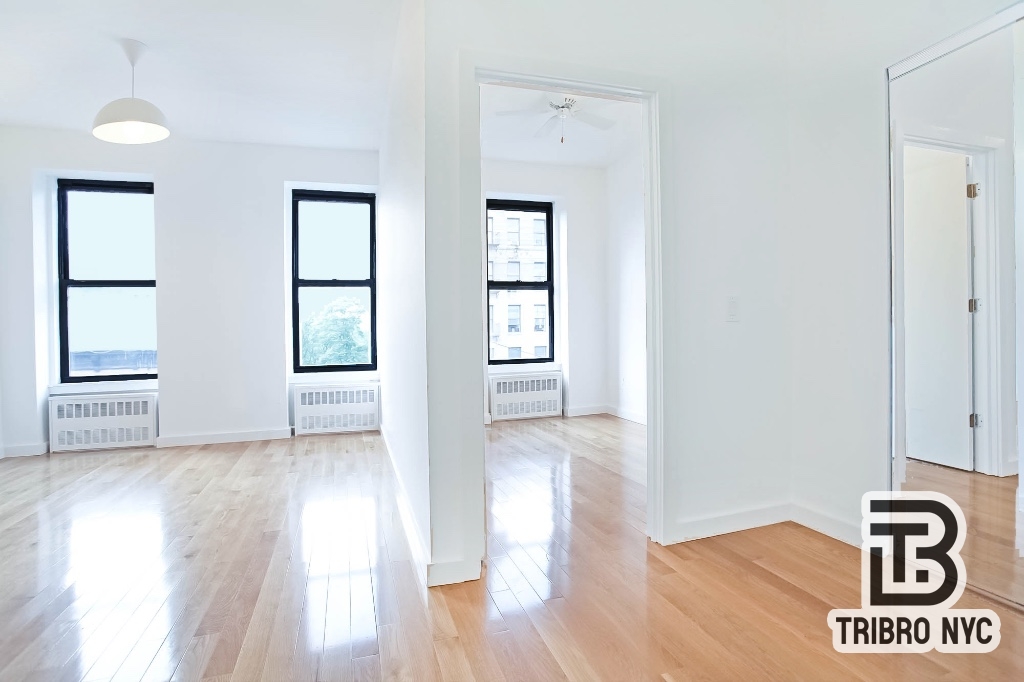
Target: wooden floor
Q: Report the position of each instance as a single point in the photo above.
(285, 560)
(992, 550)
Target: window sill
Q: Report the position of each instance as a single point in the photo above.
(131, 386)
(313, 378)
(525, 368)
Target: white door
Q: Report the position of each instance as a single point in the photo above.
(937, 246)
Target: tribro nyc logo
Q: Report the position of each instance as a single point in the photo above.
(911, 576)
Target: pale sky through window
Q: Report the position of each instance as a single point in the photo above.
(111, 236)
(334, 240)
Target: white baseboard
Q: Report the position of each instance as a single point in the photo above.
(705, 527)
(451, 572)
(584, 411)
(695, 529)
(214, 438)
(412, 534)
(28, 450)
(637, 417)
(628, 415)
(844, 531)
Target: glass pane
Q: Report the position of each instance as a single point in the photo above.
(540, 317)
(514, 318)
(514, 238)
(540, 232)
(334, 326)
(334, 240)
(111, 235)
(111, 330)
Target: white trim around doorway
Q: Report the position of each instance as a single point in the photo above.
(648, 100)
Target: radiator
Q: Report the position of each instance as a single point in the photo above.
(520, 395)
(336, 409)
(102, 421)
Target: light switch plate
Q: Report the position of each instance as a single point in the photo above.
(732, 309)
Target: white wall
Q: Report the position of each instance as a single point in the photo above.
(726, 430)
(1, 417)
(401, 316)
(627, 301)
(1018, 215)
(838, 241)
(578, 194)
(221, 277)
(773, 160)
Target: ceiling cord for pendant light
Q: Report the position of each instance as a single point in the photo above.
(131, 120)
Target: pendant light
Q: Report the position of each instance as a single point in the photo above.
(130, 120)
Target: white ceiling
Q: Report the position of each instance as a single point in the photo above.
(513, 137)
(302, 72)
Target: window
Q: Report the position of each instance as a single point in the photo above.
(334, 282)
(514, 326)
(513, 289)
(106, 268)
(512, 228)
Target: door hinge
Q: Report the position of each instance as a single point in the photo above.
(972, 305)
(973, 190)
(975, 421)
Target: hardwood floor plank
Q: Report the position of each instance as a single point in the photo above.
(992, 551)
(287, 560)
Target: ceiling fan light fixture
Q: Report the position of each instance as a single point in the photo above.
(130, 120)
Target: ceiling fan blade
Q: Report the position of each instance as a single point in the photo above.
(594, 120)
(548, 127)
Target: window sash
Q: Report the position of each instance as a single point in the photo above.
(64, 281)
(547, 284)
(298, 283)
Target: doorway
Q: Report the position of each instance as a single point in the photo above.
(592, 422)
(938, 252)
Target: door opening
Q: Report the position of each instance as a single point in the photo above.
(577, 317)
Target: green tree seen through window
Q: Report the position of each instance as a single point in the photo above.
(337, 335)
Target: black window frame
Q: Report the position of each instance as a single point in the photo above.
(65, 282)
(300, 195)
(548, 209)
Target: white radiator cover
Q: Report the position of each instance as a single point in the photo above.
(102, 421)
(525, 395)
(337, 408)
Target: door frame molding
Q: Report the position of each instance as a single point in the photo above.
(996, 22)
(648, 98)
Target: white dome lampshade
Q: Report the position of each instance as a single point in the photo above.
(130, 121)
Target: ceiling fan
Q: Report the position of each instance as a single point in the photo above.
(568, 110)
